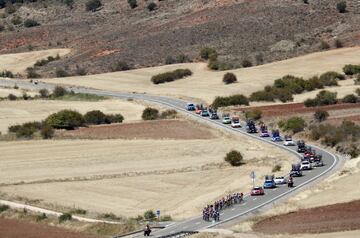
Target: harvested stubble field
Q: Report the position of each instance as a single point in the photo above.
(128, 177)
(15, 112)
(205, 85)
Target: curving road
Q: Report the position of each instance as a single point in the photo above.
(250, 204)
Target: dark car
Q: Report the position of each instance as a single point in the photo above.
(214, 116)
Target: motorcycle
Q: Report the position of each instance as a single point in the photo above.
(290, 183)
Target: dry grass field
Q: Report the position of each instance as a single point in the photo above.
(17, 63)
(128, 177)
(15, 112)
(4, 92)
(206, 85)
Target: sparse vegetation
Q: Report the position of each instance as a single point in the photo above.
(321, 115)
(322, 98)
(150, 114)
(234, 158)
(324, 45)
(32, 74)
(229, 78)
(233, 100)
(171, 76)
(47, 132)
(341, 6)
(357, 91)
(168, 114)
(338, 43)
(60, 73)
(293, 124)
(120, 66)
(276, 168)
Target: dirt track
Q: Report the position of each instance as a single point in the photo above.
(331, 218)
(15, 229)
(164, 129)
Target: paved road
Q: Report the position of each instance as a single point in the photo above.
(250, 204)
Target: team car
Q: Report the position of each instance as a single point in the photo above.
(276, 136)
(204, 113)
(280, 180)
(226, 119)
(214, 116)
(305, 165)
(257, 191)
(190, 107)
(235, 122)
(318, 163)
(288, 141)
(295, 170)
(263, 131)
(269, 182)
(250, 127)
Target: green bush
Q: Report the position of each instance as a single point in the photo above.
(12, 97)
(150, 114)
(114, 118)
(351, 98)
(330, 78)
(65, 217)
(92, 5)
(31, 23)
(4, 208)
(120, 66)
(322, 98)
(47, 132)
(341, 6)
(351, 69)
(6, 74)
(65, 119)
(253, 114)
(229, 78)
(171, 76)
(293, 124)
(233, 100)
(234, 158)
(59, 92)
(310, 102)
(149, 215)
(132, 3)
(206, 52)
(213, 64)
(95, 117)
(321, 115)
(151, 6)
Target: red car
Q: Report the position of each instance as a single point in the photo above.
(257, 191)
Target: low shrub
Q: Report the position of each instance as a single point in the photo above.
(324, 45)
(229, 78)
(357, 80)
(47, 132)
(321, 115)
(59, 92)
(12, 97)
(44, 93)
(150, 114)
(92, 5)
(276, 168)
(170, 60)
(206, 52)
(4, 208)
(151, 6)
(322, 98)
(293, 124)
(120, 66)
(78, 211)
(149, 215)
(95, 117)
(132, 3)
(253, 114)
(262, 96)
(31, 73)
(6, 74)
(338, 43)
(233, 100)
(41, 217)
(168, 114)
(31, 23)
(60, 73)
(246, 63)
(65, 119)
(351, 98)
(341, 6)
(182, 58)
(114, 118)
(234, 158)
(65, 217)
(351, 69)
(171, 76)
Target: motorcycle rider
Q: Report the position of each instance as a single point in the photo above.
(290, 182)
(147, 230)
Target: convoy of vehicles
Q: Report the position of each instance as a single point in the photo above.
(309, 160)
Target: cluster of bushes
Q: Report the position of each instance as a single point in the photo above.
(154, 114)
(351, 69)
(6, 74)
(229, 78)
(233, 100)
(234, 158)
(323, 98)
(69, 119)
(285, 87)
(339, 136)
(171, 76)
(293, 124)
(65, 119)
(49, 59)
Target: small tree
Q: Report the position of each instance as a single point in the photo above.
(234, 158)
(132, 3)
(351, 98)
(93, 5)
(47, 132)
(44, 93)
(149, 215)
(150, 114)
(59, 92)
(229, 78)
(341, 6)
(95, 117)
(151, 6)
(321, 115)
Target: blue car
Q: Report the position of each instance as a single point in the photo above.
(269, 184)
(276, 136)
(190, 107)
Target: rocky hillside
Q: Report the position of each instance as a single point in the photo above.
(257, 30)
